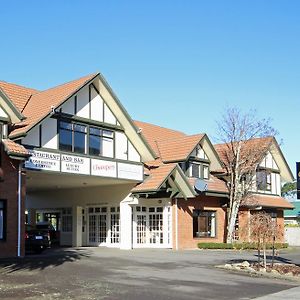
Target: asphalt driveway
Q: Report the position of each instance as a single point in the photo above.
(101, 273)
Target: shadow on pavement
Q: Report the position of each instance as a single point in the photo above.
(49, 258)
(277, 259)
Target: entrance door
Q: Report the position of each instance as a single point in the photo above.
(97, 225)
(152, 227)
(104, 226)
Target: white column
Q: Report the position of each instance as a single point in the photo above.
(77, 226)
(126, 223)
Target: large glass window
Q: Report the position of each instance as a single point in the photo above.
(263, 180)
(204, 223)
(74, 137)
(2, 219)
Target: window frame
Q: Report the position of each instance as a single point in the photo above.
(105, 135)
(197, 214)
(201, 167)
(265, 184)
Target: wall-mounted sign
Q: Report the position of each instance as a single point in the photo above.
(40, 160)
(298, 179)
(75, 164)
(72, 164)
(103, 168)
(130, 171)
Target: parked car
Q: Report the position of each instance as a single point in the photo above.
(36, 240)
(54, 235)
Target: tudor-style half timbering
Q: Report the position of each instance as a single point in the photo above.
(267, 178)
(79, 125)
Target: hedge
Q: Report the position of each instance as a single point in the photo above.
(239, 246)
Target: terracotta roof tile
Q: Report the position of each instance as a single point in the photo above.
(266, 201)
(156, 178)
(18, 94)
(13, 148)
(153, 133)
(178, 149)
(214, 184)
(224, 151)
(40, 103)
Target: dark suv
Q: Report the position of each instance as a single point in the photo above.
(36, 240)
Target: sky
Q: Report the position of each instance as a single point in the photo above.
(177, 64)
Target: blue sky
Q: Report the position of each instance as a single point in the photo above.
(177, 64)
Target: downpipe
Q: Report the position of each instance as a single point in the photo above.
(19, 208)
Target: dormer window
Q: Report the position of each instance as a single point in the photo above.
(198, 170)
(263, 180)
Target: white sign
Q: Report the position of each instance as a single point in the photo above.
(43, 161)
(75, 164)
(129, 171)
(104, 168)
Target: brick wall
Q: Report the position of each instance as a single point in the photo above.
(9, 192)
(185, 220)
(244, 231)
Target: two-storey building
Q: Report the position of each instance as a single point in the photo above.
(103, 180)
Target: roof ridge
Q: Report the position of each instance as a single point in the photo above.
(174, 130)
(68, 82)
(19, 85)
(181, 137)
(252, 139)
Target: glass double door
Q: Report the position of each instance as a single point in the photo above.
(152, 227)
(103, 226)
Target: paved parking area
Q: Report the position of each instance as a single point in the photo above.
(101, 273)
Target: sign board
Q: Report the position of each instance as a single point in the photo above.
(72, 164)
(103, 168)
(75, 164)
(129, 171)
(40, 160)
(298, 179)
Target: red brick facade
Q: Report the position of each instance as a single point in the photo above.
(9, 193)
(185, 220)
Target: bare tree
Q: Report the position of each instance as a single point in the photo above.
(264, 231)
(245, 142)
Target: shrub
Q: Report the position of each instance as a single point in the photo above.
(239, 246)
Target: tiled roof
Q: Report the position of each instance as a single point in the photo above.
(153, 133)
(225, 152)
(40, 103)
(18, 94)
(156, 179)
(13, 148)
(266, 201)
(214, 184)
(178, 149)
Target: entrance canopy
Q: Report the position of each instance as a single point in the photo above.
(39, 181)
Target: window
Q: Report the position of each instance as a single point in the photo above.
(2, 219)
(199, 170)
(67, 221)
(72, 137)
(101, 142)
(263, 180)
(204, 223)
